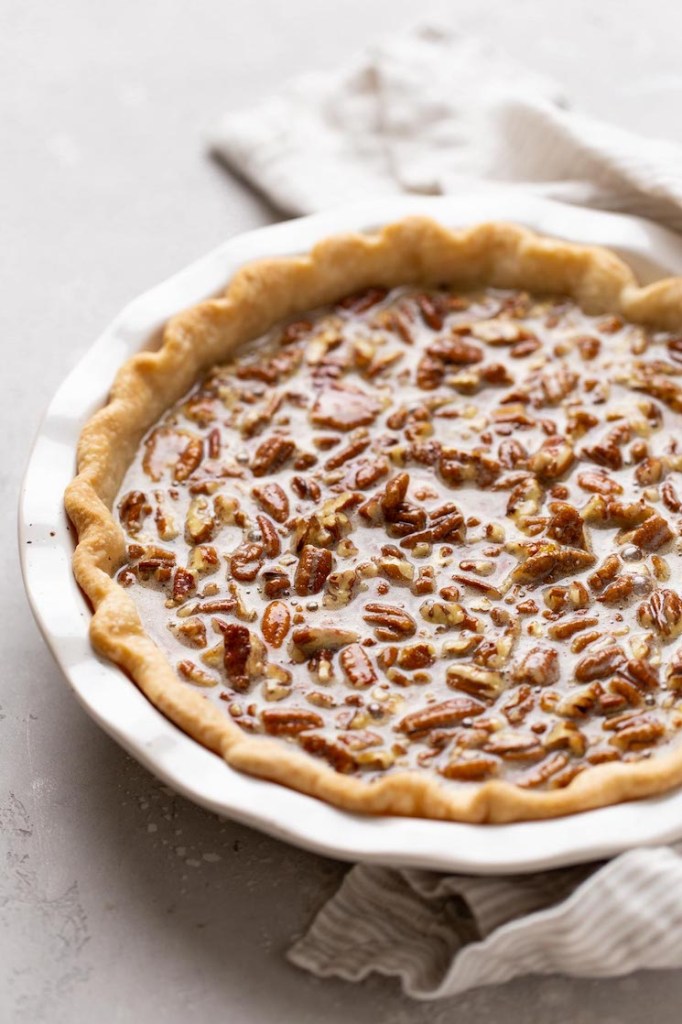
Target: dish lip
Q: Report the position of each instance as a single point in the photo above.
(113, 700)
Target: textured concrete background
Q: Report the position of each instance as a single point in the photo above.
(118, 900)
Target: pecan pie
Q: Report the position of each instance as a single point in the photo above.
(399, 524)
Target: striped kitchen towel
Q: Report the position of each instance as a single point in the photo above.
(442, 934)
(416, 114)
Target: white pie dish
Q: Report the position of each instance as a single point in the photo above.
(114, 701)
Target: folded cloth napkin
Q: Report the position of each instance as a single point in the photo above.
(431, 112)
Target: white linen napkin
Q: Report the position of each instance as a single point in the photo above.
(432, 112)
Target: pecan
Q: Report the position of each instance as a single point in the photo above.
(191, 632)
(456, 350)
(569, 627)
(652, 534)
(365, 473)
(289, 721)
(133, 509)
(606, 572)
(566, 525)
(432, 310)
(416, 656)
(460, 467)
(184, 584)
(357, 666)
(394, 495)
(355, 448)
(438, 716)
(480, 682)
(246, 561)
(203, 559)
(588, 346)
(276, 583)
(552, 461)
(306, 490)
(511, 454)
(649, 472)
(338, 756)
(312, 570)
(549, 768)
(360, 302)
(275, 623)
(619, 592)
(389, 621)
(193, 674)
(470, 769)
(662, 611)
(566, 736)
(271, 455)
(272, 545)
(243, 654)
(340, 587)
(447, 613)
(199, 523)
(600, 664)
(273, 500)
(430, 372)
(603, 511)
(514, 747)
(551, 563)
(540, 667)
(637, 733)
(310, 639)
(670, 497)
(342, 407)
(190, 459)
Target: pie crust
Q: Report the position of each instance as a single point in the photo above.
(412, 252)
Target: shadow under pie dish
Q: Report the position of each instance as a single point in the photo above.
(397, 524)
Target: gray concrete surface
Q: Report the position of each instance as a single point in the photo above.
(118, 900)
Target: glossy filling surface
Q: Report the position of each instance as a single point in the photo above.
(427, 531)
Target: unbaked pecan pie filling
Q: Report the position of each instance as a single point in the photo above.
(426, 530)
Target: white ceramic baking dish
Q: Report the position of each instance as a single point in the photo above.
(46, 544)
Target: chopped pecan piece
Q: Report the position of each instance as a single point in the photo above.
(271, 455)
(652, 534)
(552, 461)
(344, 408)
(243, 654)
(193, 674)
(662, 611)
(338, 756)
(540, 667)
(566, 525)
(273, 500)
(313, 568)
(189, 460)
(246, 561)
(133, 509)
(480, 682)
(357, 666)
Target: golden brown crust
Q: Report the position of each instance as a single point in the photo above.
(413, 251)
